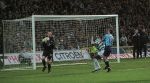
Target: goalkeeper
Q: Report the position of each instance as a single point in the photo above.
(48, 45)
(93, 53)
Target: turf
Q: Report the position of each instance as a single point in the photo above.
(128, 71)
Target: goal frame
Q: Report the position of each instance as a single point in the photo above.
(76, 17)
(35, 18)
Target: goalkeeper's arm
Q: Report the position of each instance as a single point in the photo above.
(44, 40)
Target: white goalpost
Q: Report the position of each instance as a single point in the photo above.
(22, 38)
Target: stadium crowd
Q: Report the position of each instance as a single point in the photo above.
(133, 14)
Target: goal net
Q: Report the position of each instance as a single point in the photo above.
(72, 33)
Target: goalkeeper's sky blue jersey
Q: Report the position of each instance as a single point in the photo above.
(108, 40)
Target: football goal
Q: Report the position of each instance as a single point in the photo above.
(22, 38)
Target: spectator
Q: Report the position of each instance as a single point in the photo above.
(131, 12)
(123, 40)
(136, 44)
(144, 40)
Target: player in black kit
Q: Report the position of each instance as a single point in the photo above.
(48, 45)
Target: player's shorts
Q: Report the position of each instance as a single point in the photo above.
(107, 51)
(98, 57)
(48, 54)
(95, 56)
(92, 55)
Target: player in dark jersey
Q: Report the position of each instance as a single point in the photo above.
(48, 45)
(143, 42)
(108, 42)
(136, 43)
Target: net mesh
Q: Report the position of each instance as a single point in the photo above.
(17, 38)
(73, 33)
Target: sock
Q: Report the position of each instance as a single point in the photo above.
(96, 64)
(107, 63)
(49, 67)
(44, 63)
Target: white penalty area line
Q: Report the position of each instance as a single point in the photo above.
(57, 65)
(14, 69)
(30, 68)
(131, 61)
(69, 64)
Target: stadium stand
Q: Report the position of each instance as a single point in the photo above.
(132, 13)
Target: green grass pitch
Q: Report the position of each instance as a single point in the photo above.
(128, 71)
